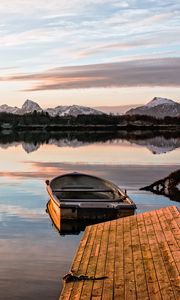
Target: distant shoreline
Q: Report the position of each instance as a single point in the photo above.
(85, 127)
(159, 141)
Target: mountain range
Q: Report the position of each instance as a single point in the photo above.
(158, 107)
(116, 110)
(30, 106)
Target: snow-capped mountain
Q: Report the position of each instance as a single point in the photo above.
(30, 106)
(158, 107)
(73, 110)
(159, 101)
(9, 109)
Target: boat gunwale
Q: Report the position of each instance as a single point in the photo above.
(129, 202)
(86, 175)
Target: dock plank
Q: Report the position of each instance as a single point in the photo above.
(107, 292)
(174, 225)
(129, 276)
(67, 289)
(175, 213)
(119, 290)
(166, 227)
(167, 256)
(140, 275)
(135, 257)
(151, 278)
(160, 269)
(82, 270)
(101, 263)
(91, 268)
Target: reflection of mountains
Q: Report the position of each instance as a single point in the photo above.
(157, 143)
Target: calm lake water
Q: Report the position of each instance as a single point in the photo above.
(33, 256)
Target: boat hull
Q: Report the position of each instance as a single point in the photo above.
(109, 201)
(72, 220)
(80, 213)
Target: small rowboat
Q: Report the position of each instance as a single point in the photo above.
(78, 196)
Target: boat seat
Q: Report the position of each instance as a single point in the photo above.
(77, 187)
(91, 200)
(82, 190)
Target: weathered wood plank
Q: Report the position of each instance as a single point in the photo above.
(101, 263)
(72, 290)
(140, 275)
(91, 268)
(100, 270)
(82, 246)
(151, 278)
(166, 227)
(174, 225)
(129, 276)
(175, 212)
(162, 276)
(77, 289)
(108, 289)
(119, 290)
(166, 254)
(139, 255)
(67, 289)
(171, 252)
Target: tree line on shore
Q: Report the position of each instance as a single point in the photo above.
(43, 118)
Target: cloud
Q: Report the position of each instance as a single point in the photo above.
(32, 37)
(51, 8)
(126, 176)
(145, 41)
(21, 212)
(80, 32)
(147, 72)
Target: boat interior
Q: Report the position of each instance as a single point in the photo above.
(84, 188)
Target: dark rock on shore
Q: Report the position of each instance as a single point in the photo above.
(168, 186)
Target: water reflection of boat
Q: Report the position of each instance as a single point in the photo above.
(77, 196)
(75, 226)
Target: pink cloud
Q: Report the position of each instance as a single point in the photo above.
(145, 72)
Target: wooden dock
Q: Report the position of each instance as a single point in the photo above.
(139, 255)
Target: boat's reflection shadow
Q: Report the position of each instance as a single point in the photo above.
(75, 226)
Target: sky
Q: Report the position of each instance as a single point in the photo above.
(89, 52)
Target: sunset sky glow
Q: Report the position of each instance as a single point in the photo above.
(90, 52)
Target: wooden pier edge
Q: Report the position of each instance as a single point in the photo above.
(136, 257)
